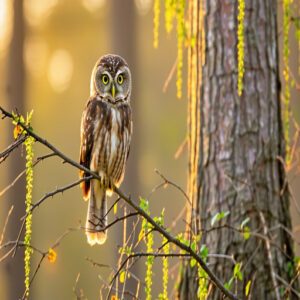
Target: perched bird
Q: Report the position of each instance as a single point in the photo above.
(106, 128)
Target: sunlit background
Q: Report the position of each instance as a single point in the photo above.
(63, 40)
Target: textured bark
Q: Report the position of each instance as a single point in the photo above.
(237, 150)
(16, 97)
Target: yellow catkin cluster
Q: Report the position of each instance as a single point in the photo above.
(149, 263)
(202, 284)
(287, 92)
(156, 9)
(173, 9)
(180, 40)
(169, 14)
(241, 45)
(28, 202)
(165, 270)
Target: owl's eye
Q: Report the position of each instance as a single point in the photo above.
(105, 79)
(120, 79)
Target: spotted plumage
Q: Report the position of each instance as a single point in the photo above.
(106, 129)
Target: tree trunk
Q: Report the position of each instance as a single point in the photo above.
(123, 42)
(236, 152)
(16, 195)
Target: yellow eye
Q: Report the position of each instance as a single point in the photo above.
(120, 79)
(105, 79)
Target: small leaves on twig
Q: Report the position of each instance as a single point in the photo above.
(219, 216)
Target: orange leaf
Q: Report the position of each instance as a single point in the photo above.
(17, 131)
(114, 297)
(51, 255)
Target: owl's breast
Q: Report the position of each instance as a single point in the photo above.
(114, 139)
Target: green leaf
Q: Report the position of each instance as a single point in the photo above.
(237, 271)
(245, 221)
(247, 289)
(290, 268)
(194, 246)
(158, 220)
(204, 252)
(144, 205)
(228, 284)
(219, 216)
(182, 240)
(122, 276)
(193, 262)
(246, 233)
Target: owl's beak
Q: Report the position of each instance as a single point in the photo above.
(113, 91)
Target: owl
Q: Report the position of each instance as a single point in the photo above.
(106, 128)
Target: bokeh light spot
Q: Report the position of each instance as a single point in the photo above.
(36, 50)
(143, 6)
(60, 70)
(93, 5)
(37, 11)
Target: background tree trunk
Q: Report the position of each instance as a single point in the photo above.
(16, 195)
(123, 42)
(237, 151)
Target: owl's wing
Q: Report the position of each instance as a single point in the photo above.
(87, 141)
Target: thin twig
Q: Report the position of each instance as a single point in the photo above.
(56, 191)
(170, 75)
(5, 224)
(19, 237)
(268, 247)
(4, 154)
(34, 274)
(288, 286)
(181, 148)
(39, 159)
(169, 182)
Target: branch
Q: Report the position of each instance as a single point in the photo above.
(165, 182)
(156, 227)
(58, 190)
(10, 148)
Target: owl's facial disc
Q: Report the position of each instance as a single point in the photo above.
(111, 83)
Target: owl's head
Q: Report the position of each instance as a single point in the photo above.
(111, 79)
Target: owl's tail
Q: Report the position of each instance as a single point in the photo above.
(96, 215)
